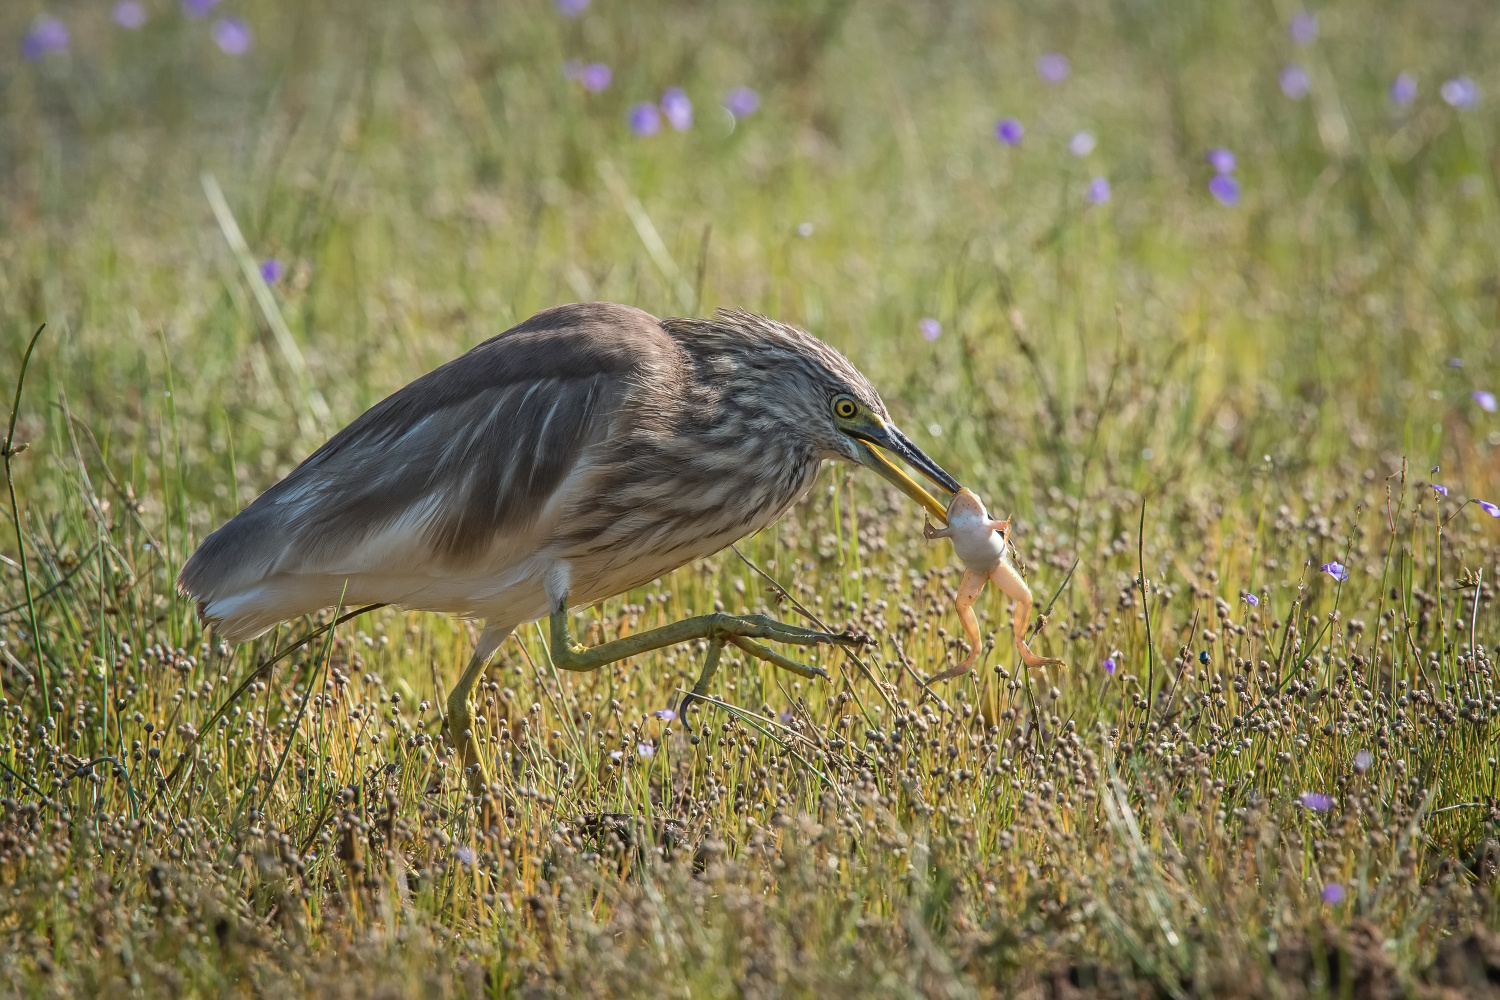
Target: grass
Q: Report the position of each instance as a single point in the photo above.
(1182, 403)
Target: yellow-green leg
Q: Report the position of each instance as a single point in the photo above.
(718, 629)
(460, 716)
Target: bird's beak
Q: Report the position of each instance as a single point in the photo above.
(874, 437)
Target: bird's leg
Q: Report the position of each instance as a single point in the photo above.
(718, 629)
(460, 717)
(1010, 583)
(968, 592)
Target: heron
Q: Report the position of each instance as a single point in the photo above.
(581, 454)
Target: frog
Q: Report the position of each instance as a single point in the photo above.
(982, 543)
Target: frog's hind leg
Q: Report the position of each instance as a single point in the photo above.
(1009, 581)
(968, 592)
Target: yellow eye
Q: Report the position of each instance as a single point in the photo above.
(844, 408)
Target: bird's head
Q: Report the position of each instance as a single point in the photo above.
(813, 392)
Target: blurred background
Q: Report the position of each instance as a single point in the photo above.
(1272, 229)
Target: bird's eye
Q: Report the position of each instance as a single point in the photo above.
(844, 408)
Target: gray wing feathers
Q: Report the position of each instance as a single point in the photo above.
(468, 453)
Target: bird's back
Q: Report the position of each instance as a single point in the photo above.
(445, 489)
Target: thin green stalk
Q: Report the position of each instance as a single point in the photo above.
(9, 452)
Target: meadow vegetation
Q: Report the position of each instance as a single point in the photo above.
(1238, 409)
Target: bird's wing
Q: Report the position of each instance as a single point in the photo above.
(448, 476)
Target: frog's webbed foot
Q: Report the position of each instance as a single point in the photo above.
(932, 534)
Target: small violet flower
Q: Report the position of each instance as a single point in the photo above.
(931, 329)
(595, 77)
(1486, 400)
(1336, 570)
(678, 108)
(1304, 28)
(1098, 192)
(1251, 600)
(1009, 131)
(1403, 89)
(645, 119)
(233, 35)
(1332, 894)
(1082, 143)
(665, 714)
(1460, 92)
(198, 9)
(1363, 760)
(1294, 82)
(271, 270)
(1110, 666)
(1222, 160)
(1225, 188)
(645, 750)
(1488, 508)
(129, 14)
(1316, 801)
(571, 8)
(1439, 489)
(1053, 67)
(47, 36)
(742, 102)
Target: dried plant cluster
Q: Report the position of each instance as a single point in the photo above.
(1239, 406)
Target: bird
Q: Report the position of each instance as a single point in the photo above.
(580, 454)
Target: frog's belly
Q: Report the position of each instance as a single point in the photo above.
(981, 552)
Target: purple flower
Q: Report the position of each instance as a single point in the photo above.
(1222, 160)
(1251, 600)
(271, 270)
(1225, 188)
(1488, 508)
(130, 14)
(615, 755)
(1053, 67)
(233, 35)
(1082, 143)
(1316, 801)
(1098, 192)
(1403, 90)
(1304, 28)
(595, 77)
(1486, 400)
(1294, 82)
(1336, 570)
(571, 8)
(1110, 666)
(665, 714)
(931, 329)
(645, 119)
(1332, 894)
(1460, 92)
(678, 108)
(785, 717)
(645, 750)
(742, 102)
(465, 856)
(1009, 131)
(198, 9)
(1363, 760)
(1439, 489)
(48, 35)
